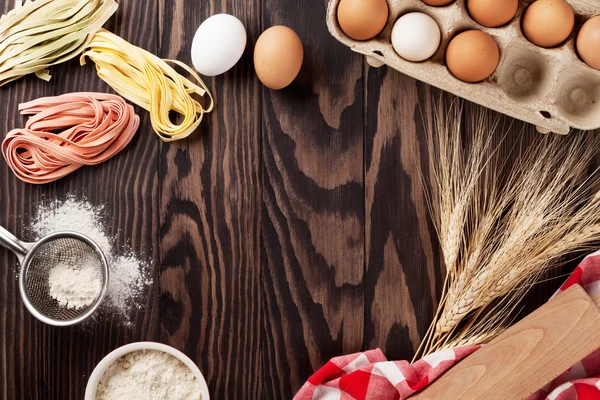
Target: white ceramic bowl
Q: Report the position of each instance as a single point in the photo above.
(90, 390)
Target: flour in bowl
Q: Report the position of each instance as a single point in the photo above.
(148, 374)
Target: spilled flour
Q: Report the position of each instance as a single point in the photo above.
(129, 276)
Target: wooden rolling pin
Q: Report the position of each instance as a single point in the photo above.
(528, 355)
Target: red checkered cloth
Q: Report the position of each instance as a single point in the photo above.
(370, 375)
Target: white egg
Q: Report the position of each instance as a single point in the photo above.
(218, 45)
(416, 36)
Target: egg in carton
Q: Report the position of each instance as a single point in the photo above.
(551, 88)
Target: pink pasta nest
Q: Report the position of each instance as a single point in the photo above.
(68, 132)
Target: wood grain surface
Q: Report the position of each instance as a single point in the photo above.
(291, 228)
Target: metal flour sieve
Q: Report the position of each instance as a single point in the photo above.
(39, 258)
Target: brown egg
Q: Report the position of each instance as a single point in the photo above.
(438, 3)
(492, 13)
(472, 56)
(588, 42)
(278, 57)
(548, 23)
(362, 19)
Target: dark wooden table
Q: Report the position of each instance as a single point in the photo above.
(291, 228)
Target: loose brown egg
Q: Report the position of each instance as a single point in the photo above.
(548, 23)
(278, 57)
(492, 13)
(362, 19)
(472, 56)
(437, 3)
(588, 42)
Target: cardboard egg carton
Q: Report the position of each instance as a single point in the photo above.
(550, 88)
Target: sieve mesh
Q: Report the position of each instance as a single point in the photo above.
(48, 255)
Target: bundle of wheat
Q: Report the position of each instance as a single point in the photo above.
(500, 228)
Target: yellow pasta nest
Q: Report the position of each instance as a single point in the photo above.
(151, 83)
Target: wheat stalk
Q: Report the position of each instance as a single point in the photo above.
(501, 228)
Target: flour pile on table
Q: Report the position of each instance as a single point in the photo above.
(129, 277)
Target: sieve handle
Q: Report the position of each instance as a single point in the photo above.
(9, 241)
